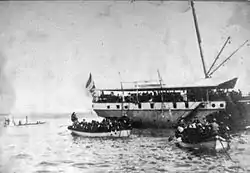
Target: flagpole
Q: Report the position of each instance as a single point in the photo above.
(122, 91)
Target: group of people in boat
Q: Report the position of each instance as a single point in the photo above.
(106, 125)
(198, 131)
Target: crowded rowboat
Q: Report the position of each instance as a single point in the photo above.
(208, 135)
(106, 128)
(119, 133)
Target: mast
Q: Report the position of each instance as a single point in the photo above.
(199, 39)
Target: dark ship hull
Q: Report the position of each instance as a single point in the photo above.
(157, 117)
(240, 113)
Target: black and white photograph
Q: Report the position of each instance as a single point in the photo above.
(125, 86)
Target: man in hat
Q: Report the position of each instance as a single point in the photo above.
(74, 119)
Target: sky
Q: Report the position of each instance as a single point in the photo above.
(48, 49)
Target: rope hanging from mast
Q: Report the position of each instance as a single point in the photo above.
(217, 57)
(228, 58)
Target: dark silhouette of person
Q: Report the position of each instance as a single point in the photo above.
(74, 117)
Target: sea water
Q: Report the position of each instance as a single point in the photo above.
(51, 147)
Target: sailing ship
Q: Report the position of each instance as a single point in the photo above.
(151, 104)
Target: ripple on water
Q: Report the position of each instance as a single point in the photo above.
(45, 171)
(80, 165)
(46, 163)
(21, 156)
(66, 161)
(145, 153)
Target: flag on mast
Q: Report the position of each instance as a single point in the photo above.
(90, 85)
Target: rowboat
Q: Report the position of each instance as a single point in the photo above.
(12, 124)
(215, 144)
(116, 134)
(29, 124)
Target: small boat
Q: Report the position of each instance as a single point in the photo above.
(13, 124)
(29, 124)
(214, 144)
(117, 134)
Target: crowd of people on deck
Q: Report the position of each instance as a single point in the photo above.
(218, 94)
(167, 96)
(198, 131)
(149, 96)
(106, 125)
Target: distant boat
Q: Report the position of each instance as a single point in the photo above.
(12, 123)
(116, 134)
(216, 144)
(28, 124)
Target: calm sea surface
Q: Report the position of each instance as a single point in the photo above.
(51, 148)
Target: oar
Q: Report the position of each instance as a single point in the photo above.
(229, 155)
(226, 151)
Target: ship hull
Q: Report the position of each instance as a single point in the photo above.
(166, 115)
(153, 118)
(160, 115)
(240, 113)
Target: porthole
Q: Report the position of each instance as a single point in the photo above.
(108, 107)
(118, 106)
(126, 107)
(221, 105)
(213, 105)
